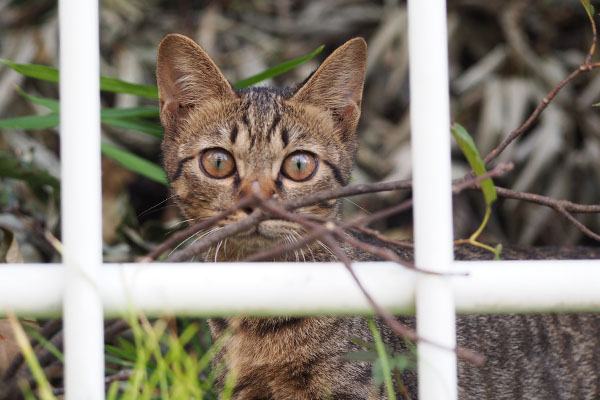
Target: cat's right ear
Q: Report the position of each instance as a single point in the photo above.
(187, 78)
(337, 84)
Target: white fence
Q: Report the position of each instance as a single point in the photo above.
(88, 290)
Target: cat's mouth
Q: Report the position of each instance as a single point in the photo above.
(272, 231)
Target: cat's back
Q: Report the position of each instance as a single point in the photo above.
(531, 356)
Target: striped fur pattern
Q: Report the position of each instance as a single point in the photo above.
(529, 356)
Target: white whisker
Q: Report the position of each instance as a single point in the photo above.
(196, 239)
(176, 224)
(298, 237)
(357, 206)
(327, 248)
(156, 205)
(217, 250)
(207, 254)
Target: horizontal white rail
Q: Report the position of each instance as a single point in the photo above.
(301, 289)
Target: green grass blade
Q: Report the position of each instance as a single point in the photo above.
(51, 104)
(118, 361)
(136, 124)
(123, 354)
(126, 345)
(383, 359)
(44, 342)
(113, 391)
(467, 145)
(135, 163)
(276, 70)
(33, 122)
(44, 390)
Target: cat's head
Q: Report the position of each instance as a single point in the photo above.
(218, 140)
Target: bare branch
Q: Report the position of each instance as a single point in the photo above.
(563, 207)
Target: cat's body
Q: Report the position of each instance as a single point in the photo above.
(220, 143)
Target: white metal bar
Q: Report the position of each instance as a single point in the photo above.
(527, 286)
(81, 208)
(257, 288)
(32, 289)
(224, 288)
(430, 137)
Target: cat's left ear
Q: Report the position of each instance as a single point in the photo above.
(337, 84)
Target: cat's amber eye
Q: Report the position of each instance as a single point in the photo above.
(299, 166)
(217, 163)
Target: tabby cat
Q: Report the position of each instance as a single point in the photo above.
(219, 142)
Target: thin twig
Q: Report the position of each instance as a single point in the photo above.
(534, 115)
(563, 207)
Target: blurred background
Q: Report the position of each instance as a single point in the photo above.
(504, 57)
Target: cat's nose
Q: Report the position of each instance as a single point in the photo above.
(262, 188)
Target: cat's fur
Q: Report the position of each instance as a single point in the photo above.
(531, 356)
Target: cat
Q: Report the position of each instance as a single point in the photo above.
(219, 142)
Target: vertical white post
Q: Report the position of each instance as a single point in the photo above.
(81, 197)
(430, 122)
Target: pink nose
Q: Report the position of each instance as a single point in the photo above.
(263, 188)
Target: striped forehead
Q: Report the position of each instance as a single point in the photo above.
(260, 120)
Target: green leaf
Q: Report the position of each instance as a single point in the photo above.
(135, 163)
(361, 355)
(378, 374)
(34, 122)
(46, 121)
(12, 167)
(589, 8)
(131, 112)
(36, 71)
(498, 252)
(467, 145)
(370, 346)
(107, 84)
(51, 104)
(136, 124)
(114, 85)
(276, 70)
(401, 363)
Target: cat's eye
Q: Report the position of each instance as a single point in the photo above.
(299, 166)
(217, 163)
